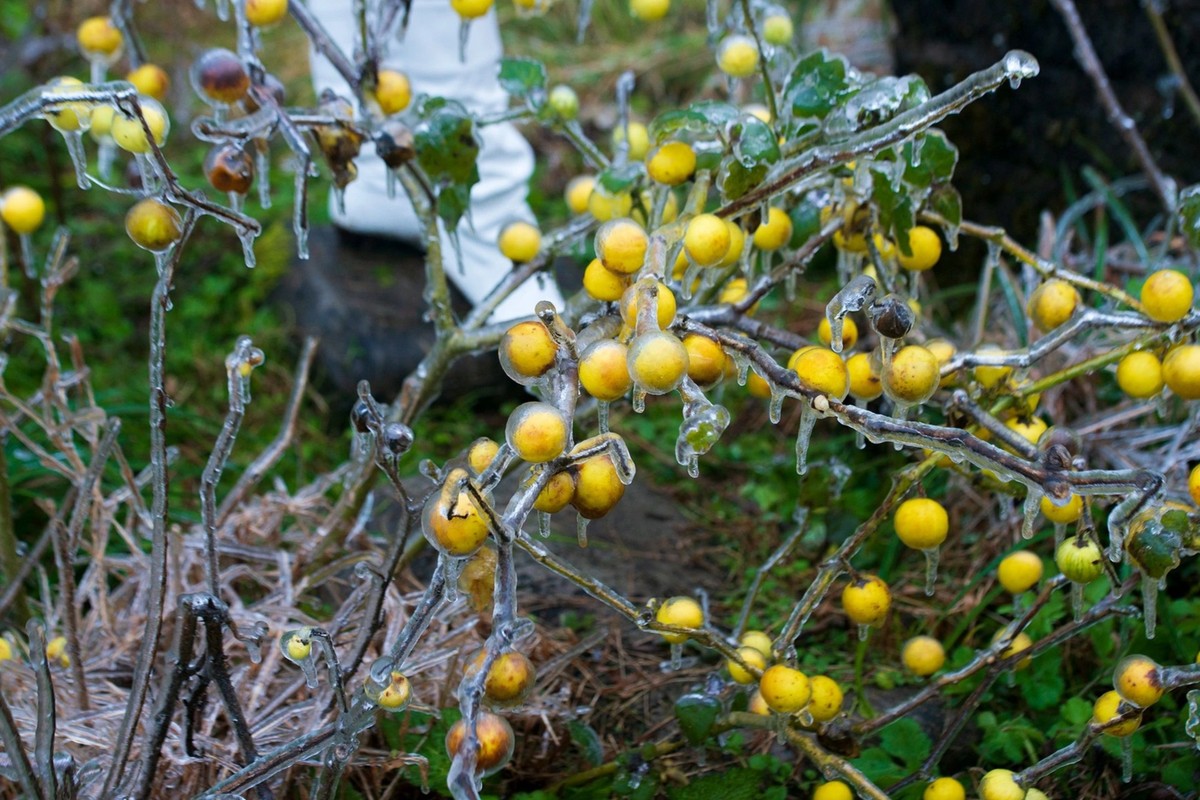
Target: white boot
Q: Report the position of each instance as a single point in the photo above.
(428, 55)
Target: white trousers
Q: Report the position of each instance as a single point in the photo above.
(428, 55)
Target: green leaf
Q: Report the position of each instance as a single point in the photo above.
(936, 163)
(896, 215)
(717, 113)
(879, 767)
(755, 148)
(617, 179)
(587, 740)
(816, 84)
(1042, 684)
(739, 783)
(1155, 549)
(447, 150)
(905, 740)
(1189, 214)
(524, 79)
(696, 714)
(1076, 711)
(946, 201)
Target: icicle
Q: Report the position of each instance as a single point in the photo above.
(105, 156)
(676, 656)
(74, 142)
(693, 467)
(712, 18)
(931, 567)
(583, 20)
(297, 648)
(639, 400)
(262, 172)
(453, 567)
(98, 69)
(692, 277)
(1150, 604)
(602, 415)
(1192, 726)
(789, 293)
(1060, 533)
(464, 33)
(742, 363)
(543, 524)
(625, 83)
(246, 237)
(299, 215)
(235, 202)
(391, 184)
(775, 409)
(887, 347)
(917, 145)
(1126, 748)
(339, 195)
(808, 419)
(27, 256)
(223, 10)
(1032, 508)
(1077, 600)
(581, 525)
(863, 632)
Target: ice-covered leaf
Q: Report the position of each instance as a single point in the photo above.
(876, 103)
(524, 79)
(586, 738)
(896, 213)
(447, 150)
(946, 201)
(755, 149)
(817, 83)
(697, 713)
(1189, 214)
(929, 159)
(617, 179)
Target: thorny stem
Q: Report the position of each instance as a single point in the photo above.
(899, 128)
(1154, 13)
(158, 514)
(1086, 55)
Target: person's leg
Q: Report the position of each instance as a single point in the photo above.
(429, 56)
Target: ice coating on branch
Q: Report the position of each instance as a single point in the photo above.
(808, 419)
(625, 84)
(703, 424)
(1019, 65)
(932, 556)
(1031, 510)
(877, 102)
(854, 296)
(1192, 726)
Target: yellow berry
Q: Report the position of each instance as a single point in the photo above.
(604, 205)
(578, 190)
(1052, 304)
(509, 680)
(777, 29)
(991, 376)
(556, 494)
(1080, 560)
(921, 523)
(1138, 679)
(396, 694)
(753, 658)
(1064, 514)
(923, 655)
(393, 92)
(944, 789)
(926, 248)
(6, 651)
(775, 232)
(866, 600)
(1140, 375)
(759, 640)
(265, 12)
(128, 133)
(56, 650)
(912, 375)
(22, 209)
(1167, 296)
(495, 736)
(738, 56)
(757, 386)
(671, 163)
(477, 581)
(737, 241)
(520, 241)
(537, 431)
(604, 370)
(1181, 371)
(471, 9)
(735, 291)
(826, 700)
(821, 370)
(481, 454)
(598, 487)
(298, 644)
(865, 382)
(1106, 708)
(66, 116)
(706, 359)
(849, 332)
(621, 245)
(649, 10)
(98, 36)
(1030, 430)
(1020, 571)
(562, 100)
(681, 612)
(758, 705)
(527, 351)
(706, 239)
(832, 790)
(639, 138)
(150, 80)
(153, 225)
(785, 690)
(658, 362)
(1194, 484)
(452, 521)
(666, 305)
(1019, 644)
(1000, 784)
